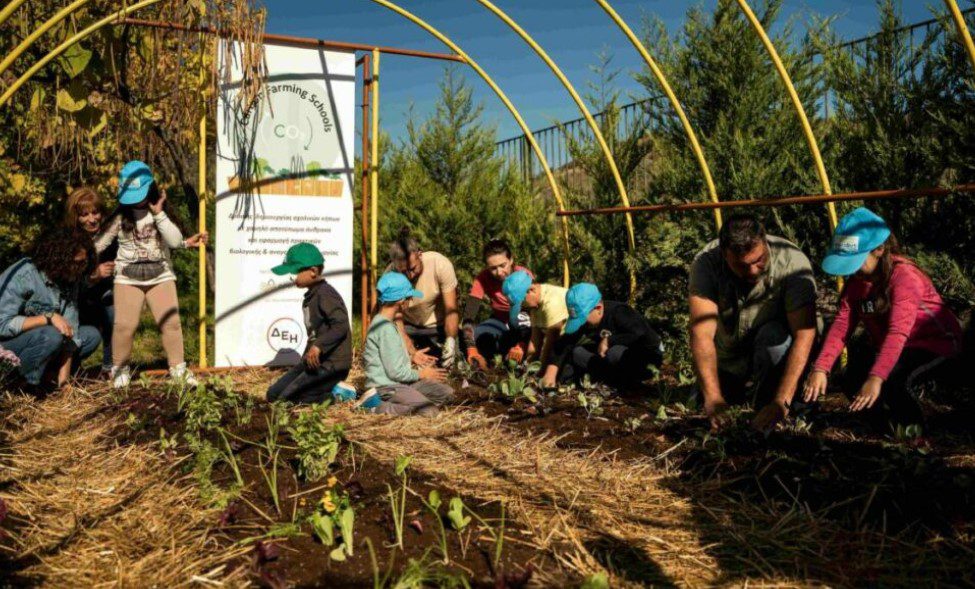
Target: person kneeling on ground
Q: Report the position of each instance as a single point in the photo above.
(546, 308)
(432, 321)
(493, 337)
(752, 320)
(403, 389)
(328, 356)
(607, 340)
(39, 308)
(911, 331)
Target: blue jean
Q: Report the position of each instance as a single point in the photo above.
(493, 337)
(37, 347)
(102, 317)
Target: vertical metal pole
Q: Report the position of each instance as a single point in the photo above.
(365, 284)
(374, 169)
(963, 32)
(202, 199)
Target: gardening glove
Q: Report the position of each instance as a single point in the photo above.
(475, 359)
(516, 353)
(448, 354)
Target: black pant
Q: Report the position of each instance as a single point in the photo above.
(301, 385)
(427, 337)
(623, 366)
(898, 402)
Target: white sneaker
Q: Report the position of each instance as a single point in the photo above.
(121, 377)
(181, 375)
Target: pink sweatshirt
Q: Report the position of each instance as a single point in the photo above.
(918, 318)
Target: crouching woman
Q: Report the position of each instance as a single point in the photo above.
(39, 308)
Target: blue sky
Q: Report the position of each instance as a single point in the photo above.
(573, 32)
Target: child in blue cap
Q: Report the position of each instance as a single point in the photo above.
(328, 353)
(403, 389)
(607, 340)
(144, 270)
(911, 331)
(545, 305)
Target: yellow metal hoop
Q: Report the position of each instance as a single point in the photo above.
(662, 80)
(589, 119)
(35, 35)
(511, 107)
(962, 26)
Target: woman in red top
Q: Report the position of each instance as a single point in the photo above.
(909, 328)
(493, 336)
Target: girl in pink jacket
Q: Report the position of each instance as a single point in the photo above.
(910, 330)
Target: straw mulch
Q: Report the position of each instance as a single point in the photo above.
(90, 513)
(642, 523)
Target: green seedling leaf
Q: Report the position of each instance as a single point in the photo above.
(346, 522)
(402, 463)
(75, 59)
(338, 554)
(434, 499)
(662, 413)
(529, 394)
(458, 520)
(596, 581)
(324, 528)
(72, 98)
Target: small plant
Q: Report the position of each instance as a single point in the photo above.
(455, 514)
(134, 423)
(596, 581)
(514, 386)
(661, 413)
(145, 381)
(633, 423)
(397, 499)
(318, 444)
(230, 458)
(271, 476)
(167, 443)
(433, 503)
(334, 512)
(591, 402)
(203, 410)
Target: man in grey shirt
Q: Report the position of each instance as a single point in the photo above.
(752, 320)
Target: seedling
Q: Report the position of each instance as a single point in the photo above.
(591, 402)
(318, 444)
(397, 499)
(271, 476)
(145, 381)
(230, 458)
(514, 386)
(633, 423)
(455, 514)
(433, 503)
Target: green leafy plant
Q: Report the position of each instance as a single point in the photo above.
(514, 386)
(318, 443)
(633, 423)
(455, 514)
(270, 475)
(433, 503)
(592, 403)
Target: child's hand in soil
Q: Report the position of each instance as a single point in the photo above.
(815, 387)
(433, 373)
(868, 395)
(475, 359)
(770, 415)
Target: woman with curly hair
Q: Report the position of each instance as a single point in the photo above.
(85, 212)
(144, 271)
(39, 308)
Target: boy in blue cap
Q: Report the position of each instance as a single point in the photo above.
(607, 340)
(328, 353)
(403, 389)
(545, 304)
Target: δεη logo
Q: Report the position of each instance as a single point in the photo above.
(285, 334)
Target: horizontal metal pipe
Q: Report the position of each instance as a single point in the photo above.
(774, 202)
(299, 41)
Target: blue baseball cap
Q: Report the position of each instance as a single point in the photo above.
(580, 300)
(133, 183)
(515, 288)
(857, 234)
(393, 287)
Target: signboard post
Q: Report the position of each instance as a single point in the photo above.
(284, 175)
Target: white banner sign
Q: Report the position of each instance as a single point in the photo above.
(284, 175)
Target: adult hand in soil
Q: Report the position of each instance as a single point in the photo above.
(197, 240)
(103, 271)
(475, 359)
(815, 386)
(433, 373)
(770, 415)
(421, 358)
(157, 207)
(313, 357)
(868, 395)
(715, 410)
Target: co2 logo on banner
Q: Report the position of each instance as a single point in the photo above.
(285, 334)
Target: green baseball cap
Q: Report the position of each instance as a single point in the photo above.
(299, 257)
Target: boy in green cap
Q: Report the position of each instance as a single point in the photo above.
(328, 353)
